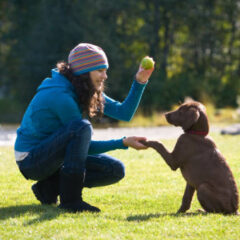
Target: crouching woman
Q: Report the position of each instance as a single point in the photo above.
(54, 143)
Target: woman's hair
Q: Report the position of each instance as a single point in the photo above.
(90, 99)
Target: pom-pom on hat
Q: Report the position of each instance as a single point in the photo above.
(86, 57)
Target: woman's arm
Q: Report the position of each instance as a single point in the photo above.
(126, 110)
(97, 147)
(65, 107)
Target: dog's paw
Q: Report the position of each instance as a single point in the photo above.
(144, 142)
(149, 143)
(181, 210)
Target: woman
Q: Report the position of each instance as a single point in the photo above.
(54, 145)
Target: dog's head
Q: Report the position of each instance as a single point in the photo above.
(190, 116)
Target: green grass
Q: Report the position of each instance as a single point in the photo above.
(141, 206)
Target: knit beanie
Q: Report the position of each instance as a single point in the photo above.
(86, 57)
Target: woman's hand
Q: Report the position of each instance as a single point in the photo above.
(134, 142)
(143, 75)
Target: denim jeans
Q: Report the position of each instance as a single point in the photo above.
(68, 149)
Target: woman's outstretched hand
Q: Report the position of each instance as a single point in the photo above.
(135, 142)
(143, 75)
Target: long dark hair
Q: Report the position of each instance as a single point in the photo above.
(90, 99)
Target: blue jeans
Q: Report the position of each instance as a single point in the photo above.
(68, 149)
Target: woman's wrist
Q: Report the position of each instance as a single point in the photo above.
(124, 142)
(139, 81)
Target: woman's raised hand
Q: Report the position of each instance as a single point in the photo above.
(143, 75)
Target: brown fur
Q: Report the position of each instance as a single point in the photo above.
(202, 165)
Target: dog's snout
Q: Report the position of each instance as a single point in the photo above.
(168, 116)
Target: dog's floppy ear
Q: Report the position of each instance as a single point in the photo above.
(192, 115)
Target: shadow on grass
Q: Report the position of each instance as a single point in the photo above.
(145, 217)
(43, 212)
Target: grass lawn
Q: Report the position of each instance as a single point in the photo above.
(141, 206)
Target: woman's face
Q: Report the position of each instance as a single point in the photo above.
(98, 77)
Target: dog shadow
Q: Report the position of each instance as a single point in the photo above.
(145, 217)
(43, 212)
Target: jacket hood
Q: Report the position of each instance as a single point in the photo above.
(56, 81)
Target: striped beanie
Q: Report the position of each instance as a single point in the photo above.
(86, 57)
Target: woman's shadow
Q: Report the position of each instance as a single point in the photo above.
(43, 212)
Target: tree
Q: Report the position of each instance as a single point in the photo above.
(195, 44)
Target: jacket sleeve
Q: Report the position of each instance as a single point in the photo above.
(97, 147)
(66, 108)
(125, 111)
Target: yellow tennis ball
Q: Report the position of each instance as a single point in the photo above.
(147, 63)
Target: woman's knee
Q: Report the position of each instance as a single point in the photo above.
(80, 125)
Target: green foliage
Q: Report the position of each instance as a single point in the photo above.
(12, 110)
(141, 206)
(195, 45)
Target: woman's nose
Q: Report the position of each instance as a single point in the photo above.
(105, 75)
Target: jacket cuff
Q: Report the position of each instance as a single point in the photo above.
(122, 145)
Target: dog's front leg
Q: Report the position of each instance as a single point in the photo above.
(187, 199)
(166, 155)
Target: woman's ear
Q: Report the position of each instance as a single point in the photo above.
(192, 116)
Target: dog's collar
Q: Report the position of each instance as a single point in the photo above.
(201, 133)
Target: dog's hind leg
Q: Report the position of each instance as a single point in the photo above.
(207, 199)
(187, 199)
(214, 200)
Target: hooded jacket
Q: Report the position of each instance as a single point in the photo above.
(55, 104)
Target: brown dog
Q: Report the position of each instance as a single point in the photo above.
(202, 165)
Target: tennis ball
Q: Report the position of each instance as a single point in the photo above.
(147, 63)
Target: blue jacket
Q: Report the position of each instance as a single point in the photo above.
(55, 104)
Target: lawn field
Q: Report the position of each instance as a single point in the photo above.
(141, 206)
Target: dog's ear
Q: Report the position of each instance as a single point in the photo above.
(192, 115)
(188, 100)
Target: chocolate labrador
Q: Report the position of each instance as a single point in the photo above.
(202, 165)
